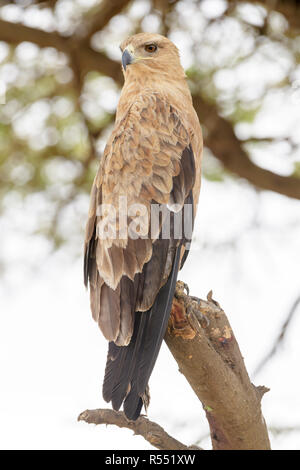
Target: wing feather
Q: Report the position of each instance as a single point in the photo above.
(148, 159)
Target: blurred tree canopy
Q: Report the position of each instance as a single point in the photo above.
(60, 79)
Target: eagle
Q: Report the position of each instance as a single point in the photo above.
(142, 208)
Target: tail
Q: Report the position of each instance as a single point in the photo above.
(128, 368)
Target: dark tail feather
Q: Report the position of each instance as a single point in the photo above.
(128, 368)
(158, 321)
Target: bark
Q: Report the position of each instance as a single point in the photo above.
(150, 431)
(205, 348)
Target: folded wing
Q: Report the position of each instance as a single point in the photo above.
(148, 161)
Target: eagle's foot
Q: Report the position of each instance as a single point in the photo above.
(186, 288)
(182, 289)
(193, 308)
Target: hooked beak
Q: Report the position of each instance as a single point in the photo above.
(127, 58)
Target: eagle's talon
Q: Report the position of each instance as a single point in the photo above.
(182, 289)
(194, 308)
(202, 319)
(186, 288)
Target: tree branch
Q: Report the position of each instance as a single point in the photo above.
(209, 357)
(16, 33)
(150, 431)
(227, 148)
(105, 11)
(202, 342)
(45, 3)
(220, 138)
(281, 336)
(88, 59)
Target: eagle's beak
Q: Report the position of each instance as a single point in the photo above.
(127, 58)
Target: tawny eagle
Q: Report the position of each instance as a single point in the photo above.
(152, 159)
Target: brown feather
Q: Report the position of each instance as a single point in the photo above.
(152, 156)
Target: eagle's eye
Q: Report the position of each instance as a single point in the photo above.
(151, 48)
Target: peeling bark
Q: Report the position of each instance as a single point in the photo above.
(213, 365)
(150, 431)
